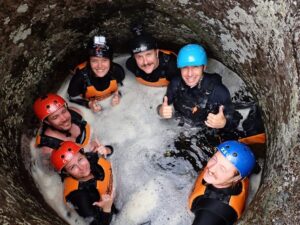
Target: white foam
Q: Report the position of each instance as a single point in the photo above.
(145, 190)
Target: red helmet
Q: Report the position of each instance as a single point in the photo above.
(47, 104)
(64, 154)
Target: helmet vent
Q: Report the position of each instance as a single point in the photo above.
(62, 156)
(234, 154)
(69, 149)
(48, 106)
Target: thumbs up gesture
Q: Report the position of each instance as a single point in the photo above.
(165, 110)
(115, 99)
(94, 105)
(216, 120)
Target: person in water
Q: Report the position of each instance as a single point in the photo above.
(198, 98)
(220, 191)
(151, 66)
(59, 123)
(97, 78)
(88, 181)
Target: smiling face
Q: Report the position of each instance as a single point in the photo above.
(147, 60)
(60, 119)
(192, 75)
(100, 65)
(220, 172)
(78, 167)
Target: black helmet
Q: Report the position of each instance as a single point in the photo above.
(142, 42)
(100, 48)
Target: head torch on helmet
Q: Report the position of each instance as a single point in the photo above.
(99, 47)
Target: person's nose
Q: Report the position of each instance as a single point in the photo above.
(190, 71)
(212, 169)
(79, 166)
(145, 61)
(211, 165)
(64, 117)
(99, 65)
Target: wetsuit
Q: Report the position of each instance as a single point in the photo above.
(82, 195)
(162, 75)
(43, 140)
(217, 206)
(84, 85)
(194, 104)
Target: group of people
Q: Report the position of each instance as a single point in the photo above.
(193, 95)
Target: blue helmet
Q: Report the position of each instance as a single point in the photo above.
(191, 55)
(239, 155)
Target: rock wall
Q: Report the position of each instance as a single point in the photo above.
(258, 39)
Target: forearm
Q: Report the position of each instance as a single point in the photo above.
(232, 119)
(103, 218)
(79, 100)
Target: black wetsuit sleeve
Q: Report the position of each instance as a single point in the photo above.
(203, 217)
(83, 204)
(172, 89)
(212, 211)
(118, 73)
(131, 65)
(76, 85)
(172, 70)
(76, 89)
(103, 219)
(111, 149)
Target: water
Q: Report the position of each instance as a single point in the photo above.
(150, 188)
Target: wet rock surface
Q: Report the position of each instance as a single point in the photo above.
(259, 40)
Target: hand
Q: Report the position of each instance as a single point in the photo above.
(115, 99)
(216, 120)
(106, 202)
(96, 146)
(166, 111)
(94, 105)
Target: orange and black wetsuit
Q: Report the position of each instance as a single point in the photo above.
(83, 194)
(85, 86)
(84, 137)
(162, 75)
(215, 206)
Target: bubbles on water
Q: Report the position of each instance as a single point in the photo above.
(155, 162)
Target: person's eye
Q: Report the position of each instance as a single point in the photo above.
(80, 160)
(223, 169)
(71, 168)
